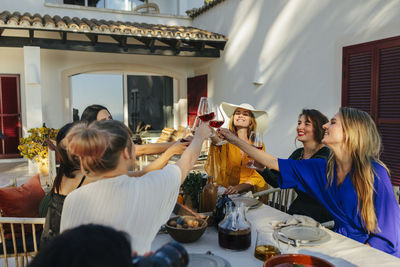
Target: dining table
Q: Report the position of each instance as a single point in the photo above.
(338, 250)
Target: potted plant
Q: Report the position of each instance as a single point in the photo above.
(34, 147)
(191, 189)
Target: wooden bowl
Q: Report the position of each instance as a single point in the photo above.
(287, 260)
(186, 235)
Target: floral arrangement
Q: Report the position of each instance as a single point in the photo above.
(35, 146)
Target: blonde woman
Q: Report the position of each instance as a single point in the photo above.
(227, 163)
(353, 184)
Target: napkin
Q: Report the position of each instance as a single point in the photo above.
(296, 219)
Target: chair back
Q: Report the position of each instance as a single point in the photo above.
(20, 244)
(148, 8)
(278, 198)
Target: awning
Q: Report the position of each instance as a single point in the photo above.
(92, 35)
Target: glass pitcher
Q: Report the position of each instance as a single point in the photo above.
(234, 231)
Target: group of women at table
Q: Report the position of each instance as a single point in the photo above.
(337, 175)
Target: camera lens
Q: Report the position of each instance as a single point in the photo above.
(171, 254)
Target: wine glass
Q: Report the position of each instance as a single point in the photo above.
(256, 140)
(204, 111)
(217, 122)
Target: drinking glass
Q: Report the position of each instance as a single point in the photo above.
(217, 122)
(267, 245)
(204, 111)
(256, 140)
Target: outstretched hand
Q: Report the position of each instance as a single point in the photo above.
(203, 131)
(225, 134)
(178, 147)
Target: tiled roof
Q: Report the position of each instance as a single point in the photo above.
(84, 25)
(197, 11)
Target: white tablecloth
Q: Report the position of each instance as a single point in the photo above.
(339, 250)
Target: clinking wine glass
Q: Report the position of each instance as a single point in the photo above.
(204, 111)
(256, 140)
(217, 122)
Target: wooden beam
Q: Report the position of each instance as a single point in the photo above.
(120, 39)
(215, 44)
(31, 36)
(200, 45)
(173, 43)
(63, 36)
(1, 31)
(147, 41)
(92, 37)
(6, 41)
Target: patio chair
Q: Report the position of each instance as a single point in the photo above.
(282, 198)
(278, 198)
(21, 243)
(148, 8)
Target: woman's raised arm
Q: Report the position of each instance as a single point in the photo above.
(260, 156)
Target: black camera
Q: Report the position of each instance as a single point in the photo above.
(171, 254)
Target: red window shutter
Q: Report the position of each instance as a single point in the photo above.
(371, 82)
(388, 106)
(359, 80)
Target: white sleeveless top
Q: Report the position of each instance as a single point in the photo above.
(138, 206)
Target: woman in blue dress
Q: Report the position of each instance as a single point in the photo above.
(353, 184)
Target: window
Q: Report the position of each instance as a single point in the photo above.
(150, 102)
(111, 4)
(103, 89)
(371, 82)
(149, 98)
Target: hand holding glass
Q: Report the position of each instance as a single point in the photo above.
(256, 140)
(217, 122)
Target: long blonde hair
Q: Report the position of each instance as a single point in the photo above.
(363, 141)
(252, 125)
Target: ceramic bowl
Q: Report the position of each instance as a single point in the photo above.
(186, 235)
(288, 260)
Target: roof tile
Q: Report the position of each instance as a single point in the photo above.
(84, 25)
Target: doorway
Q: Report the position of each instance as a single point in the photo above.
(10, 116)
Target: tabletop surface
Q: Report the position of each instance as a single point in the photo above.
(339, 250)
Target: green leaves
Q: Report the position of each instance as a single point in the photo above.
(192, 186)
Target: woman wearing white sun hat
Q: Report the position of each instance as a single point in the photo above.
(227, 163)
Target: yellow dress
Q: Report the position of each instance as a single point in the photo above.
(228, 166)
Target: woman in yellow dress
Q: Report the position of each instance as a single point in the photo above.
(227, 163)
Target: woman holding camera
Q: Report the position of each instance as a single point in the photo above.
(353, 184)
(138, 206)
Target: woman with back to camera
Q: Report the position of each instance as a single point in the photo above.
(353, 184)
(310, 133)
(69, 177)
(227, 163)
(138, 206)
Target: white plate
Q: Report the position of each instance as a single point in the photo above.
(205, 260)
(249, 202)
(304, 235)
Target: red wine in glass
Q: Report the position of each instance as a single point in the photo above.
(216, 124)
(207, 117)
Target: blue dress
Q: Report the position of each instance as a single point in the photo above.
(309, 176)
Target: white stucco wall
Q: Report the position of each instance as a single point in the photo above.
(52, 8)
(294, 49)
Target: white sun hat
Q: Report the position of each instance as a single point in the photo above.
(261, 116)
